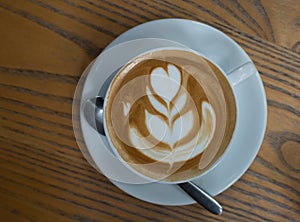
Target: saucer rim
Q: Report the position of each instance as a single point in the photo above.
(260, 86)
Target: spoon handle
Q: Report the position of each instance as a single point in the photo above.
(203, 198)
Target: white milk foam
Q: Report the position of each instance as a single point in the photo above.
(175, 122)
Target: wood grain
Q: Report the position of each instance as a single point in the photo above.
(45, 46)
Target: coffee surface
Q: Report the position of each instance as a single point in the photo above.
(170, 114)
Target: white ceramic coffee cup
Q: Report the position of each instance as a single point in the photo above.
(235, 77)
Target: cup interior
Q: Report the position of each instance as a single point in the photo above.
(105, 91)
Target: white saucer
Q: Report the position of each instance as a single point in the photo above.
(251, 101)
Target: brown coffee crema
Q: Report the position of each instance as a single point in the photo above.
(170, 114)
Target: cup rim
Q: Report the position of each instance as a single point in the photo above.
(163, 181)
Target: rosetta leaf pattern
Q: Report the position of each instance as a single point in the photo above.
(166, 84)
(160, 129)
(179, 104)
(170, 120)
(183, 125)
(156, 104)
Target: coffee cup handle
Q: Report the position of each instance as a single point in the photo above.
(241, 73)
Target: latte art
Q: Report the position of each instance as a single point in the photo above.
(170, 126)
(170, 114)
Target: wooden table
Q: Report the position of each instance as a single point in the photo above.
(45, 46)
